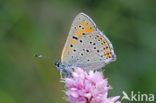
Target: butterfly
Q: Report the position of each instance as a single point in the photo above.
(86, 47)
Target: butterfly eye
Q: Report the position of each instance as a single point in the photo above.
(57, 64)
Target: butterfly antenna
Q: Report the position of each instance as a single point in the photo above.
(41, 56)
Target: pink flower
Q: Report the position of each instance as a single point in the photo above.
(89, 87)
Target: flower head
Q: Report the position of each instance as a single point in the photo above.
(89, 87)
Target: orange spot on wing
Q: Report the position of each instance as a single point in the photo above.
(82, 23)
(87, 30)
(105, 46)
(86, 25)
(79, 34)
(73, 41)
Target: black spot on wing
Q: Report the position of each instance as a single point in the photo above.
(74, 37)
(87, 50)
(83, 33)
(74, 50)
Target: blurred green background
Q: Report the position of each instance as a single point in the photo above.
(28, 27)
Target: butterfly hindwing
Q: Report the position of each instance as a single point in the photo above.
(92, 51)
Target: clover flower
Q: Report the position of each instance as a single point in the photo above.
(89, 87)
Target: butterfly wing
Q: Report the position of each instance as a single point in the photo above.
(81, 25)
(86, 46)
(94, 52)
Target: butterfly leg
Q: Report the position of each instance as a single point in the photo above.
(68, 75)
(61, 75)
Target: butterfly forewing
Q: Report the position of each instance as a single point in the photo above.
(81, 25)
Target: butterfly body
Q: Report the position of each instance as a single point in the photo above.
(64, 68)
(86, 47)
